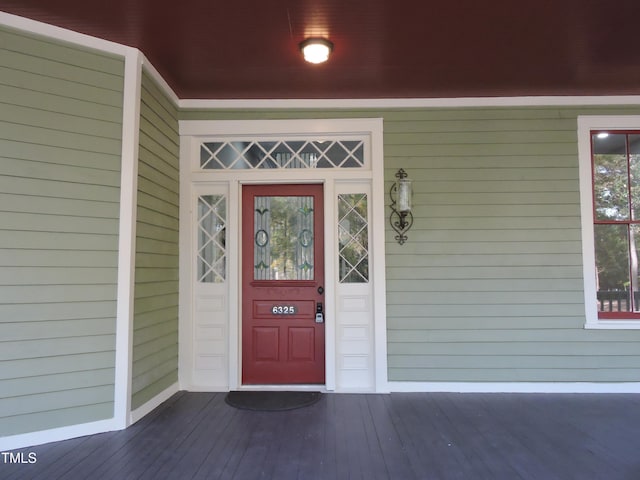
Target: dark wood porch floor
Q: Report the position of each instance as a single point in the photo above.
(399, 436)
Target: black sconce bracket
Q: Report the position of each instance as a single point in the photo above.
(401, 221)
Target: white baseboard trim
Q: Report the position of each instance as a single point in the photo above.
(152, 404)
(207, 388)
(515, 387)
(56, 434)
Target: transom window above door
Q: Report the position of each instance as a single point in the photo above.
(282, 154)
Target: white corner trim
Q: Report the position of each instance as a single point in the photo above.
(378, 256)
(380, 103)
(515, 387)
(154, 403)
(151, 70)
(55, 434)
(127, 237)
(59, 33)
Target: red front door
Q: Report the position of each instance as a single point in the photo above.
(282, 284)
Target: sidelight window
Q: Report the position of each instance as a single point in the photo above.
(353, 238)
(212, 257)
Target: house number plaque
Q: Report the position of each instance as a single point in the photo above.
(284, 310)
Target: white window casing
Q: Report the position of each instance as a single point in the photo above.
(586, 124)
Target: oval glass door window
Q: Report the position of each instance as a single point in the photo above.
(283, 248)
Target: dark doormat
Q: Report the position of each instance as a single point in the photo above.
(271, 401)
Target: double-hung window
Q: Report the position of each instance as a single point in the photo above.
(609, 149)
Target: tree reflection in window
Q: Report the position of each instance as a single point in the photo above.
(283, 238)
(616, 194)
(353, 238)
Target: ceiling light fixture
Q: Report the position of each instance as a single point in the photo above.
(316, 50)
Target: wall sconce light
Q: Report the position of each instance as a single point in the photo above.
(401, 218)
(316, 50)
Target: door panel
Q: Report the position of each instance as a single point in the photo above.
(282, 276)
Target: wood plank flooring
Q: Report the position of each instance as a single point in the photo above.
(405, 436)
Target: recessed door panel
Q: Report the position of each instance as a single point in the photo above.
(301, 344)
(266, 344)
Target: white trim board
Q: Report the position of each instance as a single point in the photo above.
(515, 387)
(154, 403)
(151, 70)
(382, 103)
(249, 128)
(56, 434)
(127, 238)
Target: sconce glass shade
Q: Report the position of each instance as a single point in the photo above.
(404, 195)
(316, 50)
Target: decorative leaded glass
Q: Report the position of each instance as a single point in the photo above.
(212, 260)
(353, 238)
(247, 155)
(283, 238)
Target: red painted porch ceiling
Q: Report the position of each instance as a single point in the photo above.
(383, 48)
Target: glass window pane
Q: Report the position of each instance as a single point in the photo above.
(610, 182)
(222, 155)
(353, 238)
(355, 156)
(211, 256)
(612, 267)
(283, 238)
(255, 155)
(634, 238)
(288, 154)
(207, 155)
(634, 167)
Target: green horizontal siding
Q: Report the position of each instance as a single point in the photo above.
(155, 336)
(489, 285)
(60, 148)
(494, 258)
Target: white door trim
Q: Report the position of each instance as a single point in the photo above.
(194, 179)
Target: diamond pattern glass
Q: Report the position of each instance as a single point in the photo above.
(248, 155)
(353, 238)
(212, 258)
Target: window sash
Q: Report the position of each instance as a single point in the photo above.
(615, 223)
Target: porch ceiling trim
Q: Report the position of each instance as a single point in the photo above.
(380, 103)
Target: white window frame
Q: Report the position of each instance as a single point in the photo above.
(586, 124)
